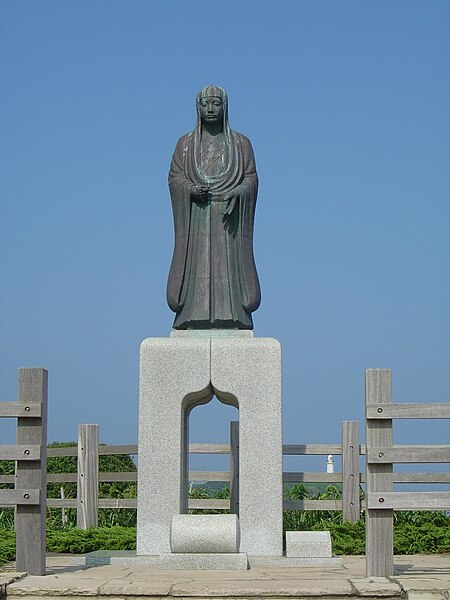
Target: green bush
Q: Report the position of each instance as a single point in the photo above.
(432, 535)
(7, 545)
(414, 532)
(77, 541)
(346, 538)
(6, 513)
(423, 539)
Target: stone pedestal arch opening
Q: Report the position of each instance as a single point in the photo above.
(188, 404)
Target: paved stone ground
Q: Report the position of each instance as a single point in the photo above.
(416, 578)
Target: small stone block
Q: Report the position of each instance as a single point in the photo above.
(427, 595)
(375, 586)
(308, 544)
(204, 534)
(222, 562)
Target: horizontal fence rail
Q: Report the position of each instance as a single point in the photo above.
(224, 477)
(408, 411)
(409, 501)
(311, 449)
(18, 409)
(22, 452)
(16, 496)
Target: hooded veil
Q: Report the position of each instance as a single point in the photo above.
(213, 281)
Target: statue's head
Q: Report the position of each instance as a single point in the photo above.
(212, 105)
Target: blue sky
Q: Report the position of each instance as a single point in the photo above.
(347, 106)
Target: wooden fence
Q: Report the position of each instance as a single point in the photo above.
(380, 458)
(88, 476)
(30, 478)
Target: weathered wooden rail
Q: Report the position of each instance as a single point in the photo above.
(30, 478)
(380, 457)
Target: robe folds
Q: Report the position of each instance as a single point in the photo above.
(213, 281)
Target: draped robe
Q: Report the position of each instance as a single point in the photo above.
(213, 281)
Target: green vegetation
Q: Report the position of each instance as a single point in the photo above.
(414, 532)
(75, 541)
(7, 545)
(430, 533)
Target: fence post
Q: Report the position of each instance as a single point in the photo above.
(350, 471)
(30, 519)
(87, 480)
(234, 467)
(379, 522)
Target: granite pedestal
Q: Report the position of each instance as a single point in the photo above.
(184, 371)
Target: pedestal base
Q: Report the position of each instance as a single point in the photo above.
(186, 370)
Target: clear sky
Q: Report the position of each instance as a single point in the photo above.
(347, 106)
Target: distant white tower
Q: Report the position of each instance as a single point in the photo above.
(330, 464)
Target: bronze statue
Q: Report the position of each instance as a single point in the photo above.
(213, 283)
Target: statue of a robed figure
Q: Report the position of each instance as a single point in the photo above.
(213, 283)
(213, 288)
